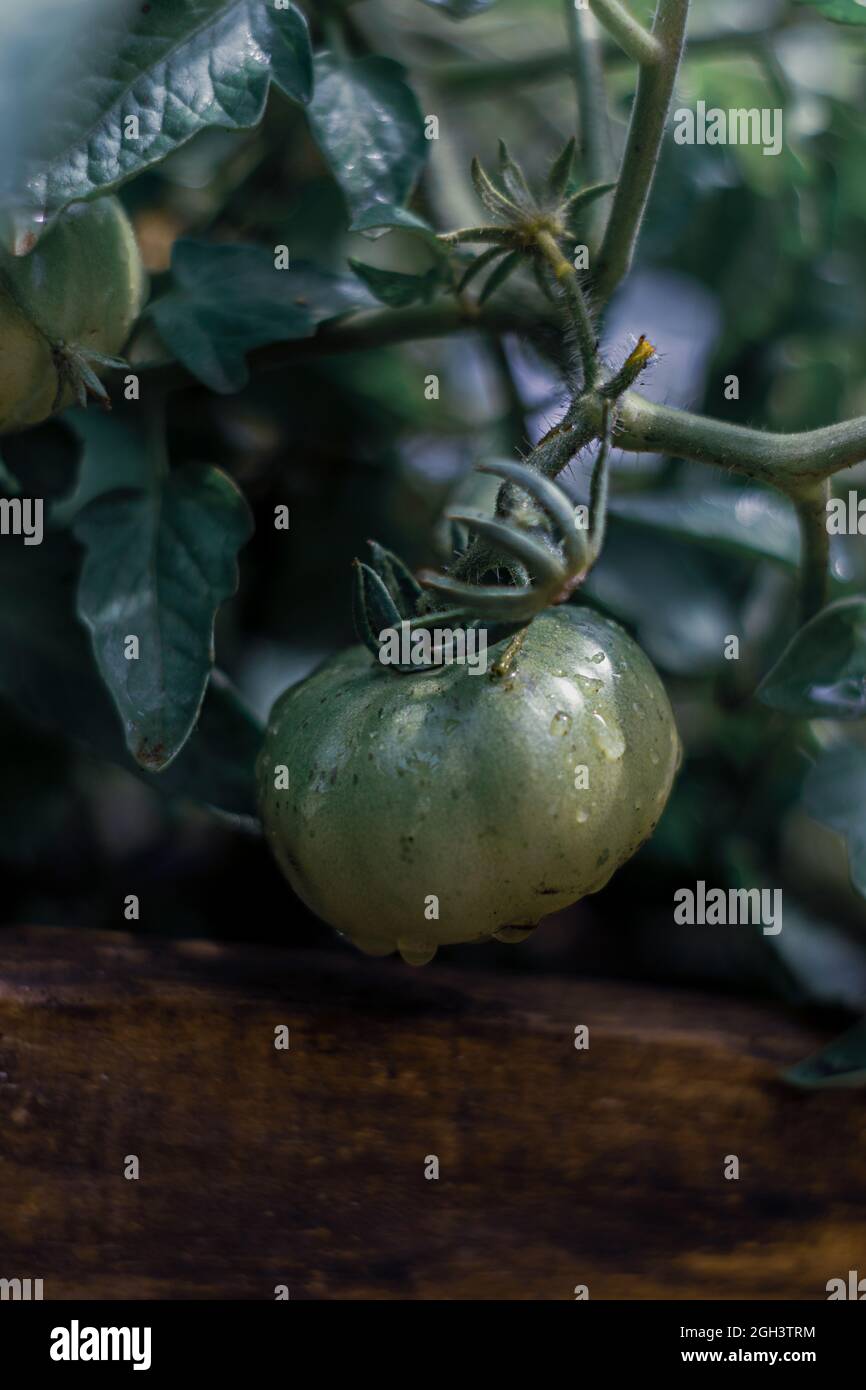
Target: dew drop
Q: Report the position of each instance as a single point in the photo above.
(416, 952)
(654, 757)
(610, 741)
(599, 656)
(560, 723)
(582, 816)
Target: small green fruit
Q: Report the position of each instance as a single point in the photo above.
(78, 292)
(491, 801)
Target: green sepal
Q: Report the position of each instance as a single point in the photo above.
(372, 607)
(401, 584)
(560, 171)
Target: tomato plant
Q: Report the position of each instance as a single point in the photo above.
(558, 304)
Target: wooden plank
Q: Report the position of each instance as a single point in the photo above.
(558, 1167)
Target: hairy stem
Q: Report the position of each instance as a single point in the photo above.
(575, 305)
(646, 128)
(786, 461)
(811, 507)
(634, 40)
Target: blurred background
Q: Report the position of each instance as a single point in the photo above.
(749, 265)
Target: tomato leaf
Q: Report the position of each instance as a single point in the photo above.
(229, 299)
(114, 456)
(394, 287)
(143, 82)
(834, 793)
(841, 1063)
(369, 127)
(821, 674)
(840, 11)
(48, 672)
(158, 565)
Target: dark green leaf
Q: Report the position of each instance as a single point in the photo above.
(158, 565)
(841, 1063)
(834, 793)
(178, 68)
(229, 299)
(368, 125)
(114, 456)
(383, 218)
(48, 672)
(821, 674)
(395, 288)
(841, 11)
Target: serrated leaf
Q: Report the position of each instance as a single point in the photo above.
(834, 793)
(840, 11)
(48, 672)
(821, 674)
(177, 68)
(158, 565)
(841, 1063)
(369, 127)
(394, 287)
(228, 299)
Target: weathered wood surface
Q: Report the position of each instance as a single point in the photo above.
(305, 1167)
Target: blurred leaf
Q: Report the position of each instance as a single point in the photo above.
(841, 1063)
(114, 456)
(395, 288)
(669, 593)
(158, 565)
(461, 9)
(840, 11)
(749, 521)
(368, 125)
(821, 674)
(834, 793)
(47, 670)
(229, 299)
(177, 69)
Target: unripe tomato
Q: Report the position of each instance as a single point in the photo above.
(80, 291)
(449, 807)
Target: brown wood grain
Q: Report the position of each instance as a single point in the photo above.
(305, 1167)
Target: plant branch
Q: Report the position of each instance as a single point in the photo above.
(811, 507)
(587, 72)
(648, 117)
(474, 80)
(635, 41)
(786, 461)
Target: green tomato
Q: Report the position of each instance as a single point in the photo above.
(78, 292)
(490, 801)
